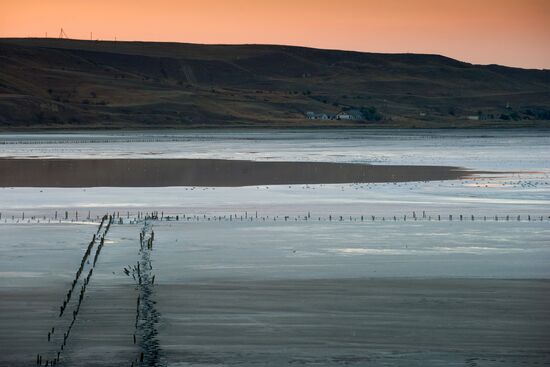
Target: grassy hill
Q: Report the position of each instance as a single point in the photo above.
(59, 83)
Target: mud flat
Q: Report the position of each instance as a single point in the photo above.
(357, 322)
(241, 297)
(205, 172)
(101, 338)
(330, 322)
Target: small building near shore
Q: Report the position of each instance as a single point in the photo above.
(317, 116)
(354, 115)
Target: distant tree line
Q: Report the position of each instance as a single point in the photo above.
(538, 113)
(371, 114)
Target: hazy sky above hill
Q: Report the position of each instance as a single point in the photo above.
(508, 32)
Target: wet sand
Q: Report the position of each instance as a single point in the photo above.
(101, 337)
(251, 319)
(358, 322)
(353, 322)
(205, 172)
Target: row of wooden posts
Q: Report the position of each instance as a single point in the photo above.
(146, 239)
(66, 216)
(105, 225)
(77, 276)
(362, 218)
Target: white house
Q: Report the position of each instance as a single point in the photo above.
(350, 115)
(344, 116)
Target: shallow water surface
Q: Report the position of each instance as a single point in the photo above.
(421, 273)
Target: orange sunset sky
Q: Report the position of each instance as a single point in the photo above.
(508, 32)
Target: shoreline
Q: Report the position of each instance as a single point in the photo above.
(291, 126)
(21, 172)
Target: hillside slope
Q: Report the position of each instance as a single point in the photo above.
(71, 83)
